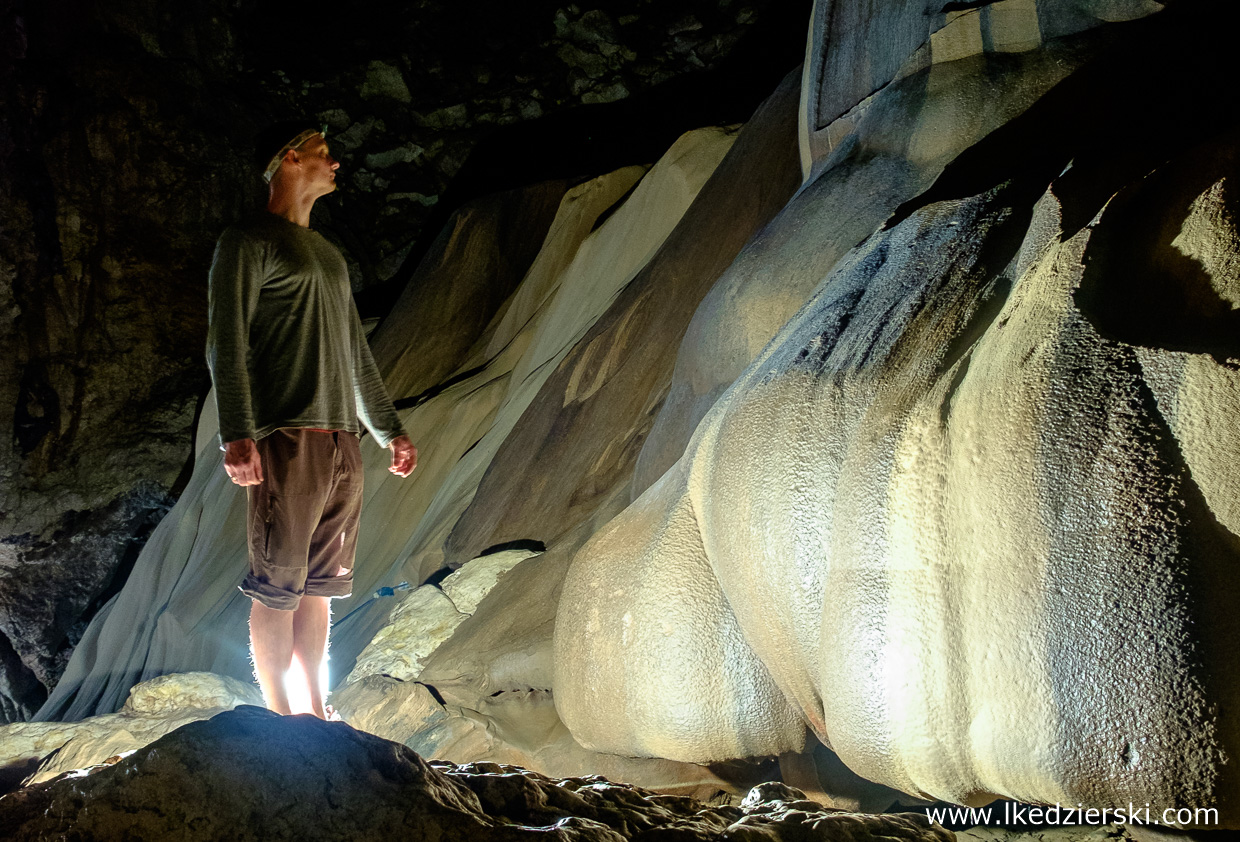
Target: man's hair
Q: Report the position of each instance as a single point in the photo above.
(272, 140)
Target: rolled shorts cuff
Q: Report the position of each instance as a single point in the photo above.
(335, 587)
(269, 595)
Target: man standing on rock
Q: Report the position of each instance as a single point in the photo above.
(293, 374)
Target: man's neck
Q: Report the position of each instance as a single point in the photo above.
(293, 208)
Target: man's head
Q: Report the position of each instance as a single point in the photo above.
(294, 152)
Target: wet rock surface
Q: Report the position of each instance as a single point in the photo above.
(250, 774)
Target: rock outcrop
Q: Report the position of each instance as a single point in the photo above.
(33, 752)
(954, 514)
(251, 774)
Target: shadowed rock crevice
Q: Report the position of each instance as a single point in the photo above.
(1140, 287)
(1109, 119)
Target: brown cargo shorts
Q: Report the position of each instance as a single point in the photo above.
(303, 517)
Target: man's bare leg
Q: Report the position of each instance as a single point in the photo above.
(311, 623)
(271, 643)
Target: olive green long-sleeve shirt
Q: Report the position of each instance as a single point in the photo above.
(284, 342)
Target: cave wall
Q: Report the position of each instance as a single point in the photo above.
(903, 447)
(124, 152)
(952, 515)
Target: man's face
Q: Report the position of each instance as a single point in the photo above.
(318, 166)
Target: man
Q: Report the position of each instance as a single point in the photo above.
(293, 374)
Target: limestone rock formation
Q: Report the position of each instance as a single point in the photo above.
(473, 266)
(952, 516)
(429, 616)
(251, 774)
(39, 751)
(652, 312)
(886, 443)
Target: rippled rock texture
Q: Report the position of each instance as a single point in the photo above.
(974, 493)
(251, 774)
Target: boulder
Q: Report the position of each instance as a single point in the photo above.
(40, 751)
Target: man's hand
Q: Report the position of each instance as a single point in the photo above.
(404, 456)
(242, 462)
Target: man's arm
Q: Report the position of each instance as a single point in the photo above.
(375, 407)
(232, 296)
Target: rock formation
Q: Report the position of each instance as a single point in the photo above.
(891, 435)
(34, 752)
(250, 774)
(952, 515)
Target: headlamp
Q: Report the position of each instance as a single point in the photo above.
(274, 164)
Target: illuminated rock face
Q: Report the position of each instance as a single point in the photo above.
(951, 522)
(39, 751)
(931, 460)
(967, 515)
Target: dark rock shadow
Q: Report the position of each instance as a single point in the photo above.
(1141, 289)
(1143, 99)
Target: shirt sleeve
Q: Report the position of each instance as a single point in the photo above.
(374, 407)
(232, 297)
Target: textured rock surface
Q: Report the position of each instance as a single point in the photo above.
(250, 774)
(957, 488)
(889, 154)
(46, 749)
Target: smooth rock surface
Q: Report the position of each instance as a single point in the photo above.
(428, 616)
(614, 378)
(857, 47)
(473, 266)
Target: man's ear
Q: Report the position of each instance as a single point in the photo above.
(291, 157)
